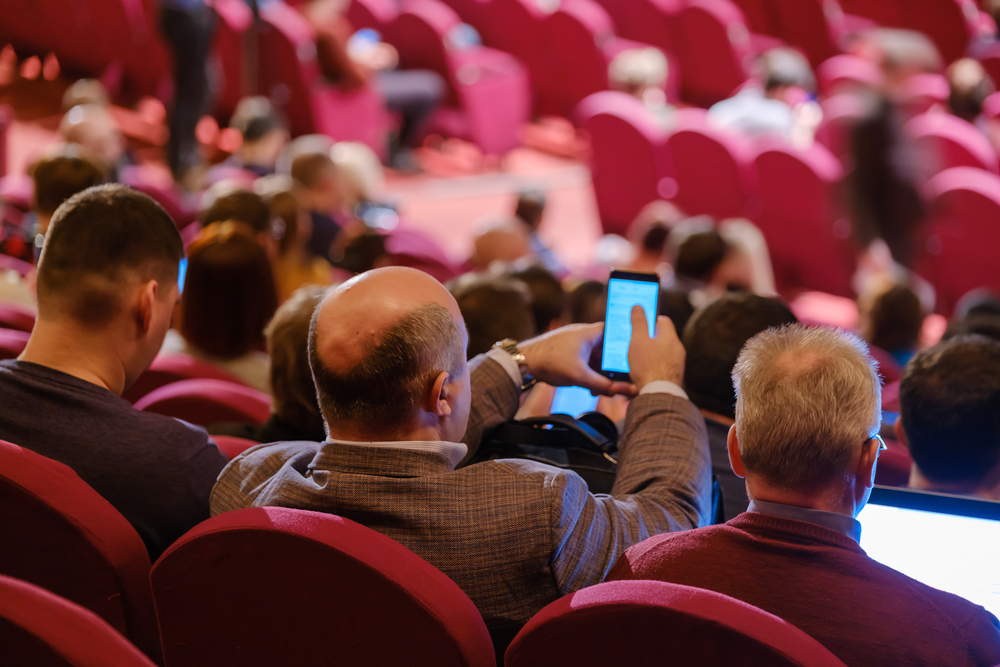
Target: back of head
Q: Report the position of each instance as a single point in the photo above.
(634, 70)
(59, 177)
(100, 242)
(494, 309)
(978, 325)
(85, 91)
(242, 205)
(500, 241)
(699, 254)
(285, 210)
(806, 401)
(787, 67)
(229, 292)
(531, 207)
(292, 384)
(950, 406)
(587, 302)
(255, 118)
(980, 301)
(713, 339)
(892, 319)
(548, 298)
(969, 85)
(95, 129)
(309, 169)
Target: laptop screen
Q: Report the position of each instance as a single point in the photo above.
(948, 542)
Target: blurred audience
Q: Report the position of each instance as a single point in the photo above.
(949, 417)
(294, 266)
(246, 207)
(95, 131)
(500, 240)
(107, 286)
(969, 85)
(85, 91)
(318, 190)
(891, 318)
(588, 302)
(530, 209)
(548, 298)
(264, 132)
(494, 308)
(808, 410)
(642, 73)
(706, 266)
(294, 409)
(229, 297)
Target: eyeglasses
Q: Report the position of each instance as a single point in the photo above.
(881, 443)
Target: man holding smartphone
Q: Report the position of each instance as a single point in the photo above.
(403, 410)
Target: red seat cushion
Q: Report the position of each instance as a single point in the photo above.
(204, 402)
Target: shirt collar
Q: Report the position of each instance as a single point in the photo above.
(841, 523)
(453, 452)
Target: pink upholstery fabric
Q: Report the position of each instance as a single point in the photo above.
(840, 112)
(76, 634)
(277, 586)
(845, 73)
(815, 26)
(232, 446)
(14, 316)
(949, 23)
(806, 234)
(760, 16)
(647, 622)
(374, 14)
(169, 368)
(894, 465)
(170, 199)
(12, 343)
(887, 13)
(713, 168)
(628, 157)
(952, 141)
(716, 58)
(62, 536)
(890, 396)
(515, 26)
(649, 21)
(413, 248)
(921, 92)
(234, 19)
(204, 402)
(8, 263)
(959, 252)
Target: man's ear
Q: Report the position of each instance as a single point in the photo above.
(900, 433)
(147, 295)
(867, 464)
(440, 396)
(733, 447)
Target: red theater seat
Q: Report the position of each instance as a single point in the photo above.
(204, 402)
(60, 535)
(12, 343)
(847, 73)
(951, 142)
(276, 586)
(56, 626)
(949, 23)
(14, 316)
(840, 113)
(8, 263)
(922, 92)
(515, 26)
(170, 368)
(716, 57)
(374, 14)
(655, 623)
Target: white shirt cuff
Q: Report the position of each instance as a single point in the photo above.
(508, 364)
(664, 387)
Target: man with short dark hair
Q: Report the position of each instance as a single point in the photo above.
(949, 400)
(247, 207)
(403, 410)
(713, 339)
(59, 177)
(107, 287)
(493, 308)
(264, 133)
(548, 298)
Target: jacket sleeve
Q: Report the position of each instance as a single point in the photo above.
(495, 399)
(664, 484)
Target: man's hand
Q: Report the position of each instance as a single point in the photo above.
(651, 359)
(560, 358)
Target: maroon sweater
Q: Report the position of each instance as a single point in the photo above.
(822, 582)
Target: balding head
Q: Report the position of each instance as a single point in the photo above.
(807, 399)
(378, 343)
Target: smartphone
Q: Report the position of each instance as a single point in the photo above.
(181, 273)
(573, 401)
(625, 290)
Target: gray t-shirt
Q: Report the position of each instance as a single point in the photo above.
(157, 471)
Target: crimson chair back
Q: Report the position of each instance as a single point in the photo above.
(655, 623)
(894, 465)
(847, 73)
(716, 57)
(515, 26)
(886, 13)
(952, 142)
(949, 23)
(840, 114)
(169, 198)
(12, 343)
(920, 93)
(648, 21)
(232, 32)
(628, 157)
(8, 263)
(712, 167)
(15, 316)
(959, 251)
(204, 402)
(374, 14)
(61, 535)
(807, 237)
(761, 17)
(278, 586)
(49, 625)
(169, 368)
(814, 26)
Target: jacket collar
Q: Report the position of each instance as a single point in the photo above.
(389, 459)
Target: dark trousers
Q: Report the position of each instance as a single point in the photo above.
(189, 33)
(414, 94)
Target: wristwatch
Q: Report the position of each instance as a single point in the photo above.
(509, 345)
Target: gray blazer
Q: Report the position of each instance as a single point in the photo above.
(513, 534)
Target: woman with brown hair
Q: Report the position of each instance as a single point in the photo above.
(294, 266)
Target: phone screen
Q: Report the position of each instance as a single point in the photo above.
(573, 401)
(623, 294)
(181, 273)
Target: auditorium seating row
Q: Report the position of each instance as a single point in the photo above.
(269, 586)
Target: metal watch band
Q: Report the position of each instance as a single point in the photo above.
(509, 346)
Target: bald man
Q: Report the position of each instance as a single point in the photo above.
(403, 410)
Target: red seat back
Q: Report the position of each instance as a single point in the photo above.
(12, 343)
(952, 142)
(61, 535)
(807, 237)
(341, 594)
(235, 18)
(959, 252)
(61, 627)
(374, 14)
(628, 157)
(888, 368)
(420, 34)
(761, 17)
(578, 38)
(845, 73)
(949, 23)
(713, 168)
(886, 13)
(840, 113)
(8, 263)
(515, 26)
(814, 26)
(14, 316)
(921, 92)
(205, 402)
(170, 368)
(716, 59)
(643, 622)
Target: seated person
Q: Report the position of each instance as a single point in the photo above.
(949, 419)
(891, 317)
(294, 408)
(294, 266)
(642, 73)
(107, 286)
(318, 190)
(649, 234)
(808, 409)
(500, 240)
(246, 207)
(229, 297)
(264, 133)
(713, 339)
(548, 298)
(969, 85)
(94, 129)
(403, 409)
(587, 302)
(707, 266)
(530, 210)
(494, 308)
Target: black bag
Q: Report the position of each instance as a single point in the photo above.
(587, 445)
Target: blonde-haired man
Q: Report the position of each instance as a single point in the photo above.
(807, 414)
